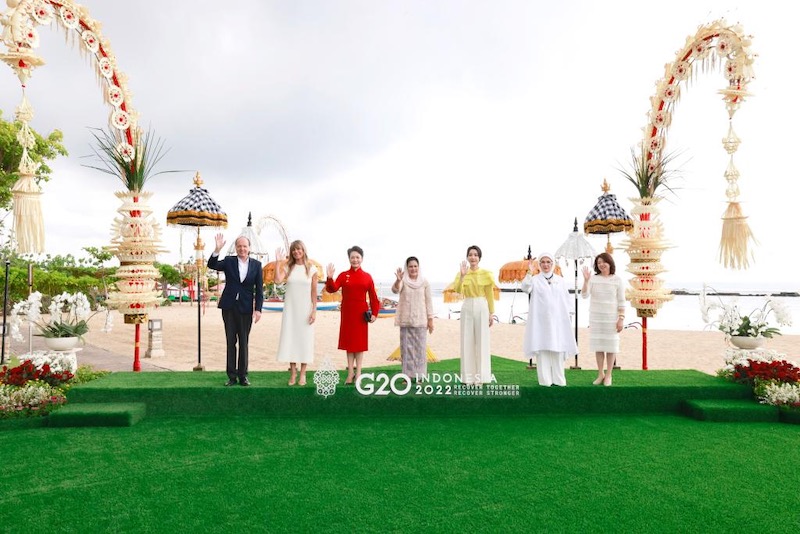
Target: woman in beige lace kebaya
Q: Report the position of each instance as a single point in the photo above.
(414, 316)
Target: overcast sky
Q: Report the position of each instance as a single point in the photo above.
(422, 127)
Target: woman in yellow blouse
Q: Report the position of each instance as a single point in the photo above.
(477, 315)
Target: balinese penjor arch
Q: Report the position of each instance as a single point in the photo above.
(136, 235)
(714, 46)
(21, 39)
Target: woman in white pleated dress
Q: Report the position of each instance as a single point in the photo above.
(296, 345)
(606, 314)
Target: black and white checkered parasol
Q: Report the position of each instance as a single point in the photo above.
(607, 217)
(197, 209)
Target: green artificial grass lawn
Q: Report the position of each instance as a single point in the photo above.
(731, 410)
(105, 414)
(657, 473)
(506, 371)
(194, 393)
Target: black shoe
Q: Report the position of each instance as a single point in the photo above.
(245, 381)
(230, 382)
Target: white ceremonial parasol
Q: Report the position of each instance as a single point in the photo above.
(257, 248)
(575, 249)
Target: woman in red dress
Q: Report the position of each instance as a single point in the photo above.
(356, 285)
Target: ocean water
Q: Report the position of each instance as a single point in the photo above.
(682, 313)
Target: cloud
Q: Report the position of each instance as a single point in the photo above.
(422, 127)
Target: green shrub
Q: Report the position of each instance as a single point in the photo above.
(87, 373)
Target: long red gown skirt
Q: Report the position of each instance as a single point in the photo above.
(356, 286)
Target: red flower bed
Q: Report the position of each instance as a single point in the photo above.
(779, 371)
(21, 374)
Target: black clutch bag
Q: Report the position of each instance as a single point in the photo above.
(368, 316)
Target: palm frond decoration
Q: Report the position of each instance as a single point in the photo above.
(650, 172)
(132, 164)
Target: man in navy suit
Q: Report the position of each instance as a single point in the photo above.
(240, 301)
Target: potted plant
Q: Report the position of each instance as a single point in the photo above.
(68, 321)
(745, 331)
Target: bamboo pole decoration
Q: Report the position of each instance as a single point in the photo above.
(137, 366)
(734, 252)
(199, 255)
(644, 343)
(736, 233)
(20, 37)
(28, 217)
(717, 44)
(723, 45)
(135, 242)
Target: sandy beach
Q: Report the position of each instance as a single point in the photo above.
(667, 349)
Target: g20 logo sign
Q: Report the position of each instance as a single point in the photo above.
(381, 384)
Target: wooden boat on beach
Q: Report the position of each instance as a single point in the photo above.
(388, 308)
(277, 306)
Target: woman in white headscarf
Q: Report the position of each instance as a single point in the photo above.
(414, 316)
(548, 332)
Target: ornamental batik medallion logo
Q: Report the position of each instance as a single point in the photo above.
(326, 378)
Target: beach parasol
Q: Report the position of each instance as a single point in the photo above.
(514, 272)
(197, 209)
(576, 248)
(449, 294)
(324, 296)
(268, 274)
(268, 271)
(607, 217)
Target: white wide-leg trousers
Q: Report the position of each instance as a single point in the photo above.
(476, 363)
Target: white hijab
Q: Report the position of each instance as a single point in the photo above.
(413, 284)
(552, 259)
(548, 326)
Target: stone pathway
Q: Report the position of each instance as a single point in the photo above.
(98, 357)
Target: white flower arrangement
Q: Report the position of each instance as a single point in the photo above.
(59, 361)
(734, 357)
(730, 320)
(781, 394)
(69, 315)
(29, 397)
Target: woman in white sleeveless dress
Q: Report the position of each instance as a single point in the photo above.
(296, 344)
(606, 314)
